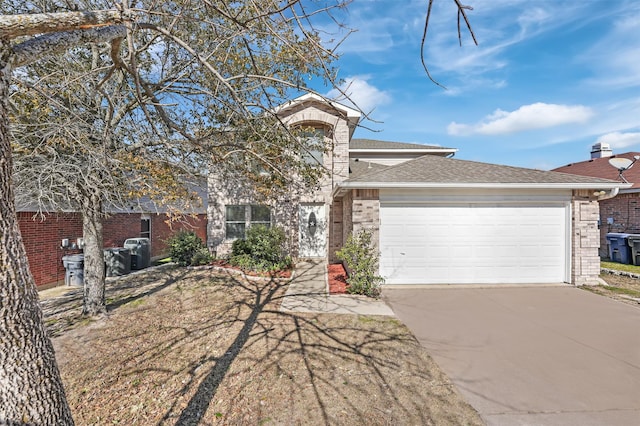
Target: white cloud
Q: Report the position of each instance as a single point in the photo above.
(620, 140)
(360, 93)
(614, 58)
(527, 117)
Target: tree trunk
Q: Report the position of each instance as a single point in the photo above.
(31, 389)
(94, 272)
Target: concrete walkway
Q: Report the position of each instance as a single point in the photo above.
(531, 355)
(309, 292)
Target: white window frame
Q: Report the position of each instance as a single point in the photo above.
(248, 221)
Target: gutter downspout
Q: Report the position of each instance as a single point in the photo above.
(602, 195)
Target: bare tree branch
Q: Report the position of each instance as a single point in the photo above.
(461, 12)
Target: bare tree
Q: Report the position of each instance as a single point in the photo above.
(177, 76)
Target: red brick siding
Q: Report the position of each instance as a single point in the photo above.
(119, 227)
(162, 229)
(42, 238)
(625, 211)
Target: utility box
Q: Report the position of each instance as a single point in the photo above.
(74, 269)
(634, 243)
(117, 261)
(619, 250)
(140, 249)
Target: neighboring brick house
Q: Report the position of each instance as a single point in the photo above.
(622, 212)
(435, 220)
(43, 234)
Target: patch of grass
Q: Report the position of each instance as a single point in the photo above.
(135, 303)
(627, 291)
(620, 267)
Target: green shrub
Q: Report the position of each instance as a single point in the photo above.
(201, 257)
(240, 247)
(361, 258)
(261, 251)
(186, 248)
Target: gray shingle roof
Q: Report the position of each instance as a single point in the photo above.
(376, 144)
(360, 168)
(441, 170)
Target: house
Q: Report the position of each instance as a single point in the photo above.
(435, 219)
(621, 213)
(42, 234)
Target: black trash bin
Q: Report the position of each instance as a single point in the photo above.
(117, 261)
(619, 250)
(140, 249)
(634, 243)
(74, 269)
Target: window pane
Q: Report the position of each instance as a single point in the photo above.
(313, 157)
(235, 230)
(235, 214)
(313, 139)
(260, 214)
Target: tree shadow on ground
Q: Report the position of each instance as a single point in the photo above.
(65, 312)
(215, 348)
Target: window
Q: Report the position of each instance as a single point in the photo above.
(145, 226)
(260, 215)
(235, 221)
(314, 145)
(240, 217)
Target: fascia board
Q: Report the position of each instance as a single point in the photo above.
(400, 150)
(376, 185)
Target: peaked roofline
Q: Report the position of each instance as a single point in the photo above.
(351, 113)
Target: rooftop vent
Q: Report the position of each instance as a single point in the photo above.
(601, 150)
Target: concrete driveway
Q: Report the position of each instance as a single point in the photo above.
(531, 355)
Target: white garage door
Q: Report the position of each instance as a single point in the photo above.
(473, 243)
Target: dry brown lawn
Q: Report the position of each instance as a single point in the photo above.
(620, 287)
(187, 347)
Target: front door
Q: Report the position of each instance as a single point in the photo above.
(313, 230)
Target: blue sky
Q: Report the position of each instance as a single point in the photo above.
(549, 78)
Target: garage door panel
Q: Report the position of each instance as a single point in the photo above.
(473, 243)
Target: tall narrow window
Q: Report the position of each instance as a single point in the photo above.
(145, 226)
(313, 150)
(235, 221)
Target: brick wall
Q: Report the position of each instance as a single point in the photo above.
(119, 227)
(162, 229)
(624, 211)
(366, 212)
(585, 238)
(43, 236)
(336, 229)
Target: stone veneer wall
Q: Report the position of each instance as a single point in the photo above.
(585, 239)
(366, 212)
(336, 228)
(227, 190)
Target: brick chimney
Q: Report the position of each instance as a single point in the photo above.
(601, 150)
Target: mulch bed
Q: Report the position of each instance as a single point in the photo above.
(337, 279)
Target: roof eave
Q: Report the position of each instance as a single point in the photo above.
(343, 187)
(398, 150)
